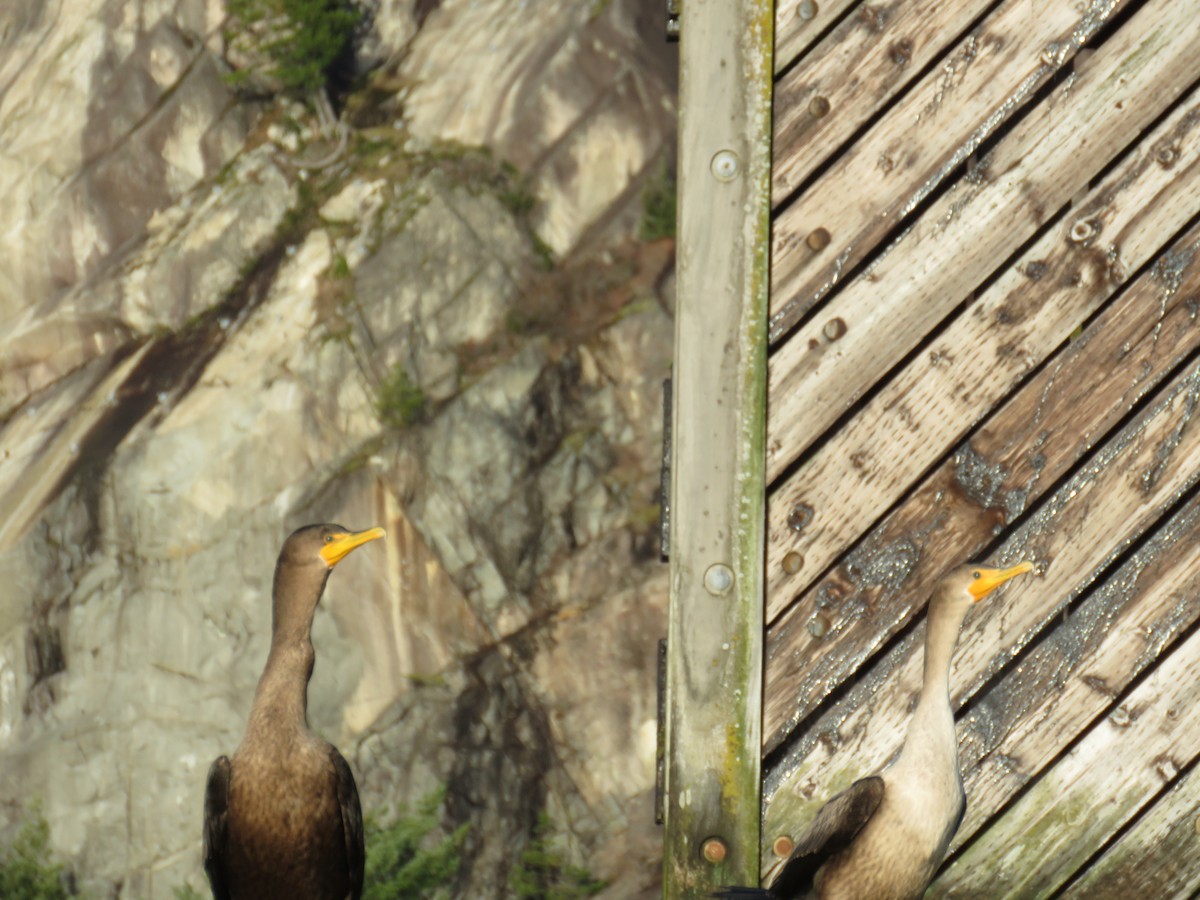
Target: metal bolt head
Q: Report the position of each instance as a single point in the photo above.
(818, 626)
(807, 10)
(818, 107)
(718, 579)
(818, 239)
(835, 328)
(714, 850)
(799, 516)
(783, 846)
(792, 562)
(725, 165)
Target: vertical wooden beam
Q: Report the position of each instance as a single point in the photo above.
(717, 502)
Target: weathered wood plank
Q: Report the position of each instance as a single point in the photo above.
(1157, 858)
(922, 140)
(1060, 687)
(1047, 159)
(798, 24)
(1086, 797)
(714, 643)
(1057, 284)
(1120, 491)
(853, 73)
(1026, 446)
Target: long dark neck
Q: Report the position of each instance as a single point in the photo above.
(282, 696)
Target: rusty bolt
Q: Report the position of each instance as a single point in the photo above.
(800, 516)
(834, 328)
(818, 626)
(818, 107)
(713, 850)
(807, 10)
(792, 562)
(818, 239)
(782, 846)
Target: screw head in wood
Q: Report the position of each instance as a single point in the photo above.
(713, 850)
(725, 165)
(792, 562)
(718, 579)
(818, 626)
(818, 107)
(818, 239)
(834, 328)
(807, 10)
(801, 514)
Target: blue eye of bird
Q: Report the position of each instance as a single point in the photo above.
(974, 574)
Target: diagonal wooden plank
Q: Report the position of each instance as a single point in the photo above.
(1029, 444)
(1040, 842)
(1157, 858)
(1111, 500)
(1048, 158)
(1019, 321)
(799, 23)
(925, 137)
(885, 46)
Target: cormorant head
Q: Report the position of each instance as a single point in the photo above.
(324, 545)
(970, 584)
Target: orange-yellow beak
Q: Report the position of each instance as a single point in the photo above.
(987, 580)
(334, 550)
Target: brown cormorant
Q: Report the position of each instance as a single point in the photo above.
(884, 837)
(282, 819)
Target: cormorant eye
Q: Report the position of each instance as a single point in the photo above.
(329, 540)
(975, 574)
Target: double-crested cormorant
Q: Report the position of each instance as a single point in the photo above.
(884, 837)
(281, 819)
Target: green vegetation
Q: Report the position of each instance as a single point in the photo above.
(187, 892)
(27, 870)
(544, 874)
(658, 206)
(404, 861)
(401, 401)
(303, 38)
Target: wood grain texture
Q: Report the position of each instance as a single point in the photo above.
(878, 318)
(715, 632)
(1055, 286)
(1157, 857)
(952, 514)
(922, 140)
(1119, 766)
(864, 63)
(1112, 499)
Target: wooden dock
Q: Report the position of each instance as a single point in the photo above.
(984, 344)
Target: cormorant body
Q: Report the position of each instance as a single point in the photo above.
(884, 837)
(282, 817)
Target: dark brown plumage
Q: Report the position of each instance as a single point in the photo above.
(884, 837)
(282, 818)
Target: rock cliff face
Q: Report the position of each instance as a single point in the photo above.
(449, 330)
